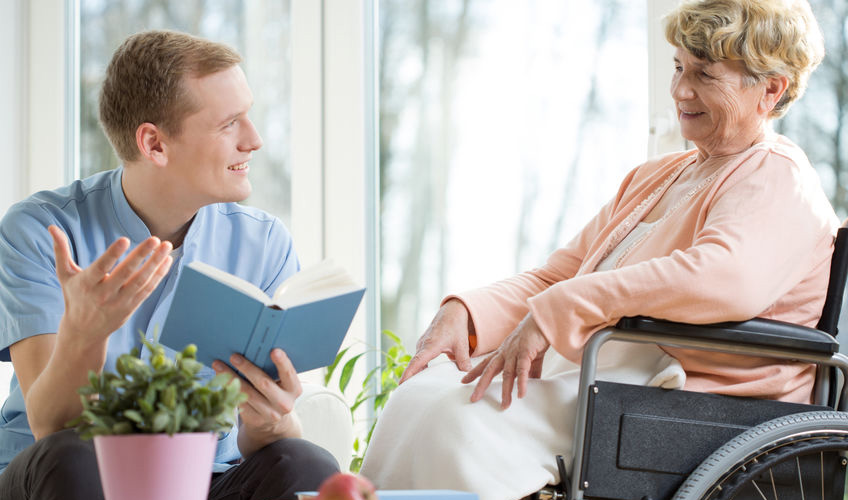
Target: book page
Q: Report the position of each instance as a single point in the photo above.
(320, 281)
(232, 280)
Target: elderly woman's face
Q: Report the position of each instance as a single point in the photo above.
(716, 110)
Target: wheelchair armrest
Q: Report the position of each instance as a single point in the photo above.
(757, 331)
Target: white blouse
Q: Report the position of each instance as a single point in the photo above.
(631, 239)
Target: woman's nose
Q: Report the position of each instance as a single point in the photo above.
(681, 90)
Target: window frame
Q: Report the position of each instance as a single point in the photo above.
(329, 139)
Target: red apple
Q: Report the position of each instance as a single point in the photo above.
(341, 486)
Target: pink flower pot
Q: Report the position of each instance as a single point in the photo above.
(148, 466)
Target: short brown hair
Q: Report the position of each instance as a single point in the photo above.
(770, 37)
(145, 84)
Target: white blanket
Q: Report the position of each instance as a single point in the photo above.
(430, 437)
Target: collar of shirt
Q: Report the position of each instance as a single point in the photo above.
(132, 224)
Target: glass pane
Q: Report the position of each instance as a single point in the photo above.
(258, 29)
(504, 126)
(818, 122)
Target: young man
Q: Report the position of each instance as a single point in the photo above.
(175, 109)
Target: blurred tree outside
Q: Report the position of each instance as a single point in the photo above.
(818, 122)
(503, 127)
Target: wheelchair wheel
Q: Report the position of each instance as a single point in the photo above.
(797, 456)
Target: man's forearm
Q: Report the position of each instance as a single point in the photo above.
(52, 400)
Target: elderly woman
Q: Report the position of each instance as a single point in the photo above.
(736, 228)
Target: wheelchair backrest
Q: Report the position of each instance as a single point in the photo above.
(836, 284)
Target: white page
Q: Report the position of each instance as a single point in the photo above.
(322, 280)
(239, 284)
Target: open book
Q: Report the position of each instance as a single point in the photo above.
(222, 314)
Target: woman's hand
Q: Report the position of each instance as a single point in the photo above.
(100, 298)
(519, 356)
(268, 414)
(447, 333)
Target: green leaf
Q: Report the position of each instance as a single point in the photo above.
(134, 416)
(169, 397)
(389, 385)
(150, 395)
(86, 390)
(369, 376)
(145, 406)
(190, 351)
(361, 398)
(91, 418)
(122, 428)
(332, 367)
(190, 424)
(190, 366)
(347, 372)
(207, 424)
(380, 400)
(233, 389)
(160, 421)
(220, 380)
(392, 336)
(179, 415)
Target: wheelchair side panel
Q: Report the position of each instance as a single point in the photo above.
(642, 442)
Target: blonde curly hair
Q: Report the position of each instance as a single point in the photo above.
(770, 37)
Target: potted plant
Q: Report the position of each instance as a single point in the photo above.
(155, 424)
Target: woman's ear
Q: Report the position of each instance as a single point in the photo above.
(150, 142)
(774, 90)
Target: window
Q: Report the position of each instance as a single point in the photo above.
(259, 31)
(493, 147)
(504, 126)
(818, 122)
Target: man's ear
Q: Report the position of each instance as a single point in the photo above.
(150, 142)
(774, 90)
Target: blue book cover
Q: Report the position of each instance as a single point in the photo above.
(223, 314)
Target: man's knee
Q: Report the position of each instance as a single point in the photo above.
(65, 454)
(300, 453)
(58, 466)
(279, 470)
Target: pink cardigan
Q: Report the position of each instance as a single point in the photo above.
(757, 241)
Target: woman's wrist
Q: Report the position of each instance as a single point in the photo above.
(462, 310)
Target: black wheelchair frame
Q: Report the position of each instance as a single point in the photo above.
(643, 443)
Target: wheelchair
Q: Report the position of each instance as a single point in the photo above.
(646, 443)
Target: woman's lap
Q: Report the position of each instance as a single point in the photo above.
(430, 436)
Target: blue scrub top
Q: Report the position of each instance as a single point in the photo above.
(93, 213)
